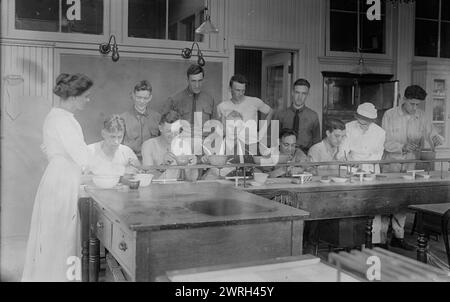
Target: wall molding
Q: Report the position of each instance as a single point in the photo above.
(328, 60)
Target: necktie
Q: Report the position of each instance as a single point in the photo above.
(194, 108)
(296, 121)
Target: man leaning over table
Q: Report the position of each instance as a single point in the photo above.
(328, 150)
(407, 130)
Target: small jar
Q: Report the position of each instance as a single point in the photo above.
(134, 184)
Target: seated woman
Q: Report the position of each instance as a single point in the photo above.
(162, 150)
(109, 156)
(288, 147)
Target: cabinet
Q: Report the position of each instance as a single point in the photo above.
(435, 79)
(344, 92)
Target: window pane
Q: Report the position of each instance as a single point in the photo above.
(445, 9)
(428, 9)
(372, 35)
(426, 38)
(36, 15)
(147, 19)
(91, 19)
(445, 40)
(348, 5)
(184, 17)
(343, 31)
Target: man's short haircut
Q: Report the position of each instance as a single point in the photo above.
(195, 69)
(239, 79)
(332, 124)
(169, 117)
(415, 92)
(302, 82)
(143, 85)
(114, 123)
(285, 132)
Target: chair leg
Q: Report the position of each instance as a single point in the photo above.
(445, 221)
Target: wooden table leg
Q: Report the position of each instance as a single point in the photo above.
(445, 221)
(94, 246)
(422, 240)
(84, 210)
(368, 234)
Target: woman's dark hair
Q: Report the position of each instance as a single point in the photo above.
(71, 85)
(143, 85)
(114, 123)
(239, 79)
(332, 124)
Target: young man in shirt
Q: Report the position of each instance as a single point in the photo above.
(407, 130)
(141, 123)
(248, 107)
(328, 149)
(303, 120)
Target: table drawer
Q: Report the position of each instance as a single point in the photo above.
(123, 248)
(103, 229)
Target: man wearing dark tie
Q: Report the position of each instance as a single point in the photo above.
(298, 117)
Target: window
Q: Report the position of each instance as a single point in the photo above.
(432, 37)
(350, 29)
(165, 19)
(50, 16)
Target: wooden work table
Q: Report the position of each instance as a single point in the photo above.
(177, 226)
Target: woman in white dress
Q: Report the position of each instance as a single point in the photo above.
(109, 156)
(54, 239)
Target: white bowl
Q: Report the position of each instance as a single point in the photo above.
(260, 177)
(339, 179)
(106, 181)
(145, 179)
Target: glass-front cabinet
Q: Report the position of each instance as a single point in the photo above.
(435, 79)
(344, 92)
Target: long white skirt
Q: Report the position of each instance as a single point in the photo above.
(54, 239)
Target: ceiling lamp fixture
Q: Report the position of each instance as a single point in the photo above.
(105, 48)
(206, 27)
(186, 53)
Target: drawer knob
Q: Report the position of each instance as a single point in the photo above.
(99, 225)
(123, 246)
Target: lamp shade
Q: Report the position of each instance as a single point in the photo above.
(207, 27)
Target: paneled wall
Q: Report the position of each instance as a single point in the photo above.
(24, 106)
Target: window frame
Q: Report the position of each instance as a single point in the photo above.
(439, 20)
(210, 42)
(11, 31)
(388, 37)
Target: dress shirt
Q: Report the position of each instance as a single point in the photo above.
(140, 127)
(308, 128)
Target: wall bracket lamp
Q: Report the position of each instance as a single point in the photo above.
(186, 53)
(106, 48)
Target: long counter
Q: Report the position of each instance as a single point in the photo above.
(149, 230)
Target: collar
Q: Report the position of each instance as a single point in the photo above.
(190, 93)
(301, 109)
(137, 113)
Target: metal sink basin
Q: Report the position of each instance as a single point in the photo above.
(226, 207)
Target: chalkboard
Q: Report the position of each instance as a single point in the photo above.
(113, 83)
